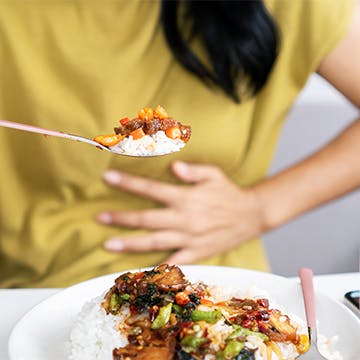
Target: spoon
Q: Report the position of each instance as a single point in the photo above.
(47, 132)
(39, 130)
(306, 278)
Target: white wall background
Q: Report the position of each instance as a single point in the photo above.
(326, 239)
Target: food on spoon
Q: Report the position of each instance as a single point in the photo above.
(153, 132)
(159, 314)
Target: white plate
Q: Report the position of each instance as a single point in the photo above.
(42, 333)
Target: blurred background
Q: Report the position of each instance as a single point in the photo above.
(326, 239)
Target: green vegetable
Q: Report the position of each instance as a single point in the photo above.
(114, 303)
(125, 296)
(232, 349)
(209, 316)
(243, 332)
(163, 317)
(191, 342)
(177, 309)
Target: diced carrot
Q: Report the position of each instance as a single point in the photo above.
(124, 121)
(137, 134)
(160, 113)
(146, 114)
(182, 298)
(206, 302)
(108, 140)
(221, 303)
(173, 133)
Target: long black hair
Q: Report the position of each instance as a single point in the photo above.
(239, 36)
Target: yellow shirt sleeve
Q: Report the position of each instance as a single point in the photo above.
(310, 29)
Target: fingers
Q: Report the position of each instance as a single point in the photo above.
(160, 191)
(152, 219)
(151, 189)
(166, 240)
(189, 255)
(161, 240)
(196, 173)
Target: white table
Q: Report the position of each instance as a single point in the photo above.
(15, 303)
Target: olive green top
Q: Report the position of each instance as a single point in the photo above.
(79, 66)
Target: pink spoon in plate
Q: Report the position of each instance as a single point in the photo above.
(306, 278)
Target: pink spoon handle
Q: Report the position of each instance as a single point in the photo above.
(306, 276)
(34, 129)
(39, 130)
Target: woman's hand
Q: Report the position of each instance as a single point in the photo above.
(201, 219)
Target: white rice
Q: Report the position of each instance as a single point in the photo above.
(96, 334)
(148, 145)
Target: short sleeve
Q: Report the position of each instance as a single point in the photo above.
(309, 30)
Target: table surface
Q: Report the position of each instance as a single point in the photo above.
(14, 303)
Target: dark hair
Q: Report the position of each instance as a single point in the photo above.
(240, 39)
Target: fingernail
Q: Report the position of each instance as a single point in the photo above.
(114, 244)
(181, 167)
(112, 177)
(104, 218)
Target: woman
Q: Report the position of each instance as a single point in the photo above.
(78, 66)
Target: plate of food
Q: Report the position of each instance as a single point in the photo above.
(182, 313)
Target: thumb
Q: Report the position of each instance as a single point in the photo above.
(196, 173)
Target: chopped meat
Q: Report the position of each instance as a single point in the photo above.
(168, 123)
(164, 277)
(185, 133)
(155, 351)
(130, 283)
(152, 126)
(145, 353)
(169, 278)
(247, 304)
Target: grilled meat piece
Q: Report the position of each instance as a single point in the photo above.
(148, 288)
(146, 353)
(164, 277)
(185, 133)
(159, 350)
(169, 278)
(152, 126)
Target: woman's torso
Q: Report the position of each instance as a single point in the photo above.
(79, 67)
